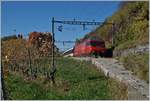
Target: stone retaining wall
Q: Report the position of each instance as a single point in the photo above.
(136, 50)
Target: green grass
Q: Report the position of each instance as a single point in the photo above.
(74, 80)
(138, 64)
(20, 89)
(85, 81)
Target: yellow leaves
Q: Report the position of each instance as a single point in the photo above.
(13, 48)
(139, 29)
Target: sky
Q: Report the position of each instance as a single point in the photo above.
(29, 16)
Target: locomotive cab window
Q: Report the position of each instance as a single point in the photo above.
(92, 43)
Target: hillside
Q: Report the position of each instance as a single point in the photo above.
(131, 29)
(29, 70)
(130, 26)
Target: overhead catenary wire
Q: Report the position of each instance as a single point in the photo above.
(74, 22)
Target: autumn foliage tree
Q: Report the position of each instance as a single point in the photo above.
(42, 42)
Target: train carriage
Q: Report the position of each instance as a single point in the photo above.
(89, 47)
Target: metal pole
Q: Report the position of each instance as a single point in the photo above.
(53, 42)
(53, 70)
(3, 94)
(113, 35)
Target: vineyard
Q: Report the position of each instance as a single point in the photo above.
(72, 82)
(25, 56)
(27, 76)
(78, 81)
(34, 66)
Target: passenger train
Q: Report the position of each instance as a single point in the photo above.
(92, 46)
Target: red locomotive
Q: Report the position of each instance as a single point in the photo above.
(89, 47)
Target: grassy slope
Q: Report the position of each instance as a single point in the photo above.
(131, 21)
(19, 89)
(131, 25)
(75, 80)
(138, 64)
